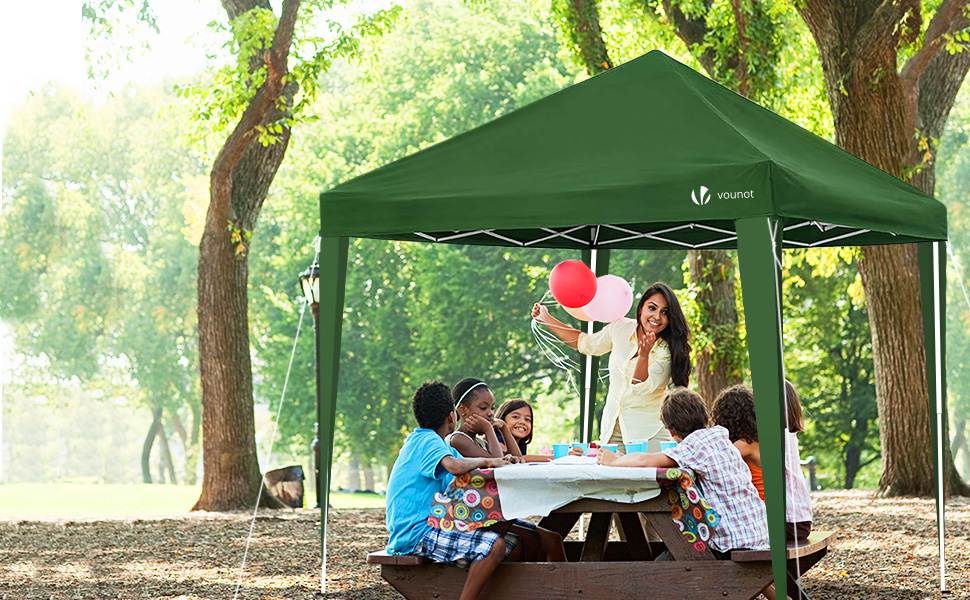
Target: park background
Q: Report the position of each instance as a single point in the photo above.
(105, 188)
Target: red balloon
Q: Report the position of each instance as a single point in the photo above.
(572, 283)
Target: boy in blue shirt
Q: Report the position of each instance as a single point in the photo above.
(424, 466)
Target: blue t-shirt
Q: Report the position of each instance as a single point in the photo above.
(415, 478)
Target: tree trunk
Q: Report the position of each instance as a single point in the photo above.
(584, 29)
(166, 454)
(353, 474)
(146, 449)
(712, 271)
(886, 117)
(369, 477)
(238, 183)
(192, 450)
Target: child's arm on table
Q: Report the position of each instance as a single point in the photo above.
(634, 459)
(460, 466)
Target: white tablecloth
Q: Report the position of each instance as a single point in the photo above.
(528, 490)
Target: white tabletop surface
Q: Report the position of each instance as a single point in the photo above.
(537, 489)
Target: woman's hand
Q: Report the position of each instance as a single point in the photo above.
(645, 344)
(477, 423)
(540, 313)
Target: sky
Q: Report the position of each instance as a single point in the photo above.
(53, 51)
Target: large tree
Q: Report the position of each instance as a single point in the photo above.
(890, 87)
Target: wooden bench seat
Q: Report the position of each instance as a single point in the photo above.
(383, 558)
(746, 574)
(802, 556)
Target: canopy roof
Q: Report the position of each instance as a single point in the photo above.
(619, 161)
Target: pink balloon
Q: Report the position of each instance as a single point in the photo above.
(578, 313)
(572, 283)
(613, 299)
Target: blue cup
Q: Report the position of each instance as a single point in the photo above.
(610, 447)
(560, 450)
(585, 447)
(667, 446)
(636, 447)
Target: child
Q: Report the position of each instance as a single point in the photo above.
(798, 508)
(475, 407)
(422, 468)
(517, 414)
(734, 410)
(718, 469)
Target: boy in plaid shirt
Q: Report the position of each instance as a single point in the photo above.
(718, 469)
(425, 466)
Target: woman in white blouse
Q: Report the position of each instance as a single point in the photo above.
(646, 355)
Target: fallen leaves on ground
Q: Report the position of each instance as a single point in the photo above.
(887, 548)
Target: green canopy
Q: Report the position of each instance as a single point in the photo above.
(613, 162)
(650, 154)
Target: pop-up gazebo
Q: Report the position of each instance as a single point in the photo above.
(648, 155)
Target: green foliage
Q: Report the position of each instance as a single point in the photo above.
(829, 360)
(221, 98)
(98, 272)
(412, 312)
(953, 189)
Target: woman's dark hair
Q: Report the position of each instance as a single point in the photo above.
(432, 404)
(510, 405)
(734, 410)
(675, 333)
(683, 412)
(461, 390)
(793, 409)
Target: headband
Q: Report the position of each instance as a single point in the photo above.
(466, 393)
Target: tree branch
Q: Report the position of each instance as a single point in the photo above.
(881, 31)
(587, 36)
(692, 32)
(220, 179)
(743, 45)
(947, 15)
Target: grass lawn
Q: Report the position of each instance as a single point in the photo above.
(41, 501)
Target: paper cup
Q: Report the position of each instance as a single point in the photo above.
(560, 450)
(667, 446)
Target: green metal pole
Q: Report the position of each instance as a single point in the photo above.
(759, 256)
(333, 275)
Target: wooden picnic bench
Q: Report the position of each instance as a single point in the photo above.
(598, 568)
(617, 574)
(802, 556)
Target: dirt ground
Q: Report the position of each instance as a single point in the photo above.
(887, 549)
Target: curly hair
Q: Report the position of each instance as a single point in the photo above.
(734, 410)
(683, 412)
(676, 333)
(432, 404)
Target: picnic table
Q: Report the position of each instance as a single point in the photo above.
(597, 567)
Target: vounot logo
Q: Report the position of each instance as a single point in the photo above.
(703, 195)
(700, 199)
